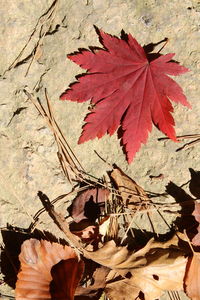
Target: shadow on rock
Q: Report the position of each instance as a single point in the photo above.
(186, 220)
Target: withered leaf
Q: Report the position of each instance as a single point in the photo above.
(120, 258)
(66, 276)
(130, 191)
(88, 234)
(157, 267)
(94, 290)
(87, 204)
(192, 284)
(37, 259)
(122, 290)
(151, 280)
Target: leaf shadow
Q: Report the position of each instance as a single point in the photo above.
(194, 185)
(141, 238)
(186, 221)
(9, 255)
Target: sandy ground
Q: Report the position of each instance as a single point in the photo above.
(28, 160)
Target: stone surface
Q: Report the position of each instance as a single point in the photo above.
(28, 160)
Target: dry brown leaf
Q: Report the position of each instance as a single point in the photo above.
(37, 259)
(192, 282)
(122, 290)
(87, 204)
(93, 291)
(196, 239)
(196, 212)
(151, 270)
(152, 280)
(130, 191)
(120, 258)
(88, 234)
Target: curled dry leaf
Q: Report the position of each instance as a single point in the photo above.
(121, 259)
(37, 259)
(87, 204)
(196, 238)
(196, 212)
(192, 285)
(130, 191)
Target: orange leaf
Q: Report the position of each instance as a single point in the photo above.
(37, 259)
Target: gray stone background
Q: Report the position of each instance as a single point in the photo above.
(28, 160)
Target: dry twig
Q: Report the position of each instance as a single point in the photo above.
(183, 137)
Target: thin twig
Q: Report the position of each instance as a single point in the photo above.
(70, 164)
(49, 15)
(189, 145)
(61, 223)
(181, 137)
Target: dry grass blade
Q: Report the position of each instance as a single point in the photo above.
(183, 137)
(42, 27)
(3, 297)
(188, 145)
(69, 163)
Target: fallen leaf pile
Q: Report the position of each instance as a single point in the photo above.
(52, 271)
(127, 87)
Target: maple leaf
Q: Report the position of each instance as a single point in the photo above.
(127, 89)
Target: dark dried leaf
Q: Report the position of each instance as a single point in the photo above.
(95, 290)
(87, 205)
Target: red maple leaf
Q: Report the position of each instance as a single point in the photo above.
(127, 89)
